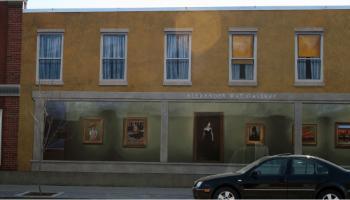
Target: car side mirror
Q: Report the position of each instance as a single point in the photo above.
(255, 174)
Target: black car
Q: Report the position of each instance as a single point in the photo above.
(280, 176)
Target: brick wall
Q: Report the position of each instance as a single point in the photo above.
(3, 42)
(14, 43)
(10, 63)
(9, 133)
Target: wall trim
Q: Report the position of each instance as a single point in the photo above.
(10, 90)
(134, 167)
(189, 96)
(194, 8)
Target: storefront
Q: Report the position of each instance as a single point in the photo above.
(181, 131)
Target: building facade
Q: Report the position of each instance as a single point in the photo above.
(182, 91)
(10, 62)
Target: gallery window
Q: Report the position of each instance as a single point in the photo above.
(102, 131)
(228, 132)
(242, 67)
(330, 137)
(50, 53)
(308, 57)
(113, 57)
(177, 57)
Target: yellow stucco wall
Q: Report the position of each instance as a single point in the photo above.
(275, 53)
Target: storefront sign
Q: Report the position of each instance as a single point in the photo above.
(232, 96)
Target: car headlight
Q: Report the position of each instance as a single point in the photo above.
(199, 184)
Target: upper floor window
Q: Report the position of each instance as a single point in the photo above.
(309, 58)
(49, 63)
(242, 56)
(113, 58)
(177, 58)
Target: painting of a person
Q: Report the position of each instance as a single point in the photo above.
(254, 134)
(208, 133)
(93, 133)
(207, 142)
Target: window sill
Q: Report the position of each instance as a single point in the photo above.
(113, 82)
(177, 82)
(49, 82)
(309, 83)
(242, 83)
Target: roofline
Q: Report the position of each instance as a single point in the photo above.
(152, 9)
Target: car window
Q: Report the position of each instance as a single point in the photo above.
(302, 167)
(321, 169)
(272, 167)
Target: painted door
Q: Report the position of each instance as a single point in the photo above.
(208, 137)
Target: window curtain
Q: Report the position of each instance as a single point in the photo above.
(248, 72)
(50, 56)
(177, 63)
(315, 69)
(113, 56)
(302, 69)
(315, 65)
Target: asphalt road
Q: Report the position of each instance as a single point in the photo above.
(82, 192)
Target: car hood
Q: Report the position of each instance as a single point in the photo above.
(218, 176)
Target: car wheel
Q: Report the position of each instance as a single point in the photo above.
(225, 193)
(329, 194)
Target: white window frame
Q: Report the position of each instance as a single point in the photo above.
(49, 81)
(243, 31)
(0, 134)
(307, 31)
(180, 31)
(118, 31)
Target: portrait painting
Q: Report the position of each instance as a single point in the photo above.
(208, 137)
(92, 130)
(342, 135)
(309, 134)
(135, 132)
(255, 133)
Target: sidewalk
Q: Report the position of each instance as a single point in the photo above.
(87, 192)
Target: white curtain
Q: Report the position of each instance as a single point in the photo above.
(113, 56)
(177, 63)
(248, 72)
(301, 69)
(50, 56)
(315, 69)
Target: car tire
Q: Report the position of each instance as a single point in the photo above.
(225, 193)
(329, 194)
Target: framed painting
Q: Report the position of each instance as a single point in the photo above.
(135, 132)
(342, 135)
(309, 134)
(92, 130)
(255, 133)
(208, 137)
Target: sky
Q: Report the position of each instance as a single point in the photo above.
(42, 4)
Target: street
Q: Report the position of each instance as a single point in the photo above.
(72, 192)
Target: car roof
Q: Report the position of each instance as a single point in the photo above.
(289, 155)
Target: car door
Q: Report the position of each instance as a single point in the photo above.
(267, 180)
(303, 178)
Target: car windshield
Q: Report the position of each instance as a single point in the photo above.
(251, 165)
